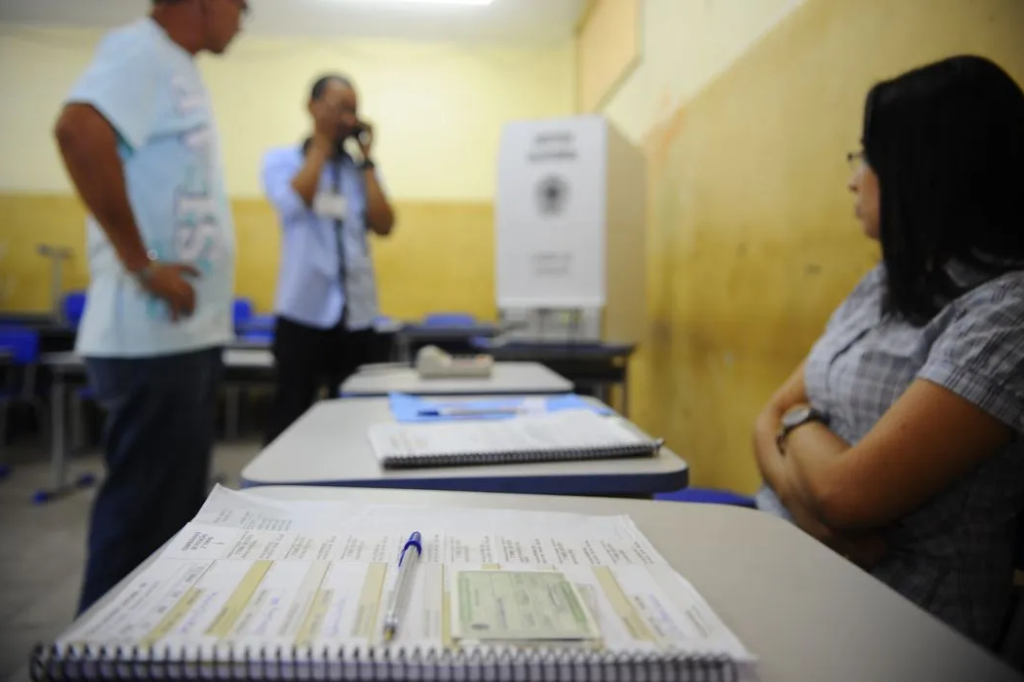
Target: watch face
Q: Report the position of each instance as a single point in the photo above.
(796, 417)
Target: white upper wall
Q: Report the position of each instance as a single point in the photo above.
(533, 22)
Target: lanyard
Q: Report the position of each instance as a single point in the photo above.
(339, 232)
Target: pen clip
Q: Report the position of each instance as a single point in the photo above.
(415, 540)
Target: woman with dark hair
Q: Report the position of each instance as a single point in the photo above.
(898, 440)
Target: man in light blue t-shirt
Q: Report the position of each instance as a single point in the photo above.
(139, 142)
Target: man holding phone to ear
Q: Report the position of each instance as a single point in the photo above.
(327, 201)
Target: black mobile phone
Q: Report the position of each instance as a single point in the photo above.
(359, 131)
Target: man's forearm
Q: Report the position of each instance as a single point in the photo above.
(88, 146)
(306, 182)
(379, 214)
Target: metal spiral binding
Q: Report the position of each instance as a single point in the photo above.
(52, 664)
(523, 457)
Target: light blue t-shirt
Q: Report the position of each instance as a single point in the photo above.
(149, 89)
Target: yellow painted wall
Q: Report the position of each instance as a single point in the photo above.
(441, 260)
(752, 238)
(608, 48)
(438, 109)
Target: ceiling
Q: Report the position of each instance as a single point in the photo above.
(521, 21)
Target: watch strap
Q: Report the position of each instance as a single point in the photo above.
(813, 415)
(143, 274)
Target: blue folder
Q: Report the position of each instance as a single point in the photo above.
(411, 408)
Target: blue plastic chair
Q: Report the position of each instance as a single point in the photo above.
(243, 311)
(22, 344)
(74, 307)
(249, 326)
(265, 336)
(449, 320)
(708, 496)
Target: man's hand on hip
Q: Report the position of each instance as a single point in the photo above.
(167, 282)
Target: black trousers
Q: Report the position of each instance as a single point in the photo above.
(307, 359)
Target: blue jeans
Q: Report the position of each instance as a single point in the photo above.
(158, 440)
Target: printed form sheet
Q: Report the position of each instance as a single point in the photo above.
(261, 574)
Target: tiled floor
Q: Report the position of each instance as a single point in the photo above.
(42, 548)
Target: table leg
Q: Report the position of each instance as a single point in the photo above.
(5, 468)
(58, 447)
(58, 453)
(625, 390)
(231, 407)
(403, 347)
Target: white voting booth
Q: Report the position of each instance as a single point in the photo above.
(570, 221)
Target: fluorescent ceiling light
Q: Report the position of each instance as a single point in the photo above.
(427, 2)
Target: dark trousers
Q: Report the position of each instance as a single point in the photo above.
(308, 359)
(158, 439)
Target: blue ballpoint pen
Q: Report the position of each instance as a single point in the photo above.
(407, 562)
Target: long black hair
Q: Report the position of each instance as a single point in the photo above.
(947, 143)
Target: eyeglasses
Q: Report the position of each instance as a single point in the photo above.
(856, 160)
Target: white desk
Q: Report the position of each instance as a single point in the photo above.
(329, 446)
(235, 358)
(809, 615)
(507, 378)
(248, 358)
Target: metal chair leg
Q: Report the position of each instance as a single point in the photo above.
(76, 422)
(5, 467)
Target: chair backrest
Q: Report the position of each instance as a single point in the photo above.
(244, 310)
(74, 307)
(449, 320)
(21, 344)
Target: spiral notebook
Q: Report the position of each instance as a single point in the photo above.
(556, 437)
(254, 589)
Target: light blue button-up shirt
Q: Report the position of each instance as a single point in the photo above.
(309, 287)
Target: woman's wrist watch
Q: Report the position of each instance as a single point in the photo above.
(795, 418)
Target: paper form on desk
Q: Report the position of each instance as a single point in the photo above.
(267, 575)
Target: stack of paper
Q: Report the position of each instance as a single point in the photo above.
(561, 436)
(250, 575)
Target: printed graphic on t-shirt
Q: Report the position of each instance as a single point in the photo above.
(198, 234)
